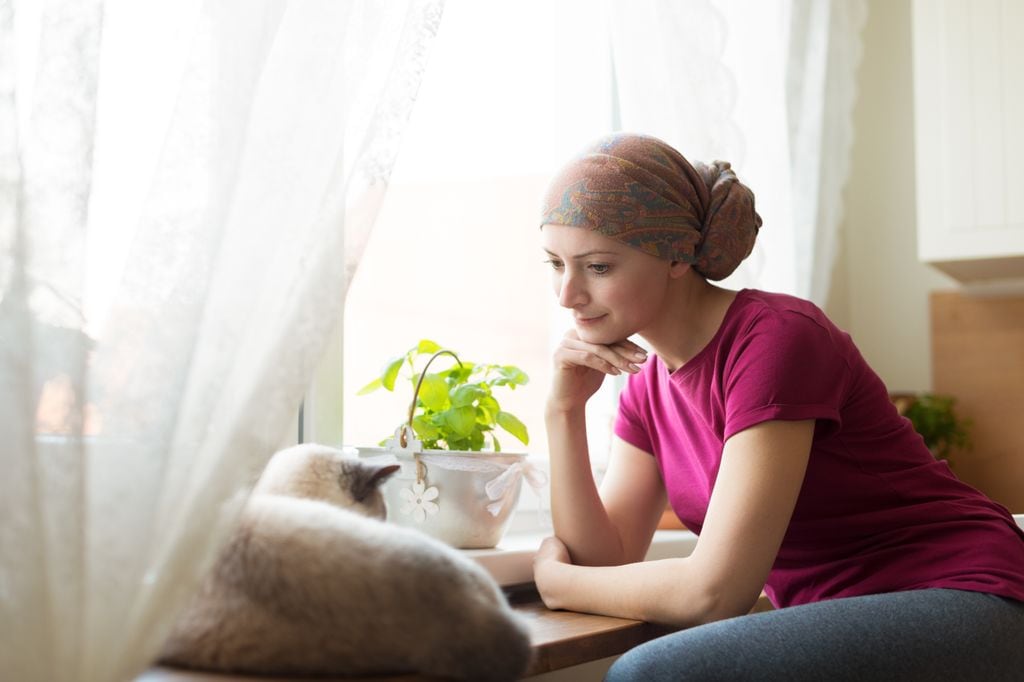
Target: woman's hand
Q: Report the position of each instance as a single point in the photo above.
(580, 368)
(551, 554)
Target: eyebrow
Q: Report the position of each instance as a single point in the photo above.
(578, 256)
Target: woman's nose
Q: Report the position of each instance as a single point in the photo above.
(571, 292)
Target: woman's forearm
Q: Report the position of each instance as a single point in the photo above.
(579, 516)
(666, 591)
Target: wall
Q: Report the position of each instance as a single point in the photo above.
(968, 343)
(880, 291)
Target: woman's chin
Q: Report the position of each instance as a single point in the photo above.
(598, 336)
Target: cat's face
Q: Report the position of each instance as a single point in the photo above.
(322, 473)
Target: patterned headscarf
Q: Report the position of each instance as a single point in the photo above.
(641, 192)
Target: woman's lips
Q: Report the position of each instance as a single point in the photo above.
(589, 320)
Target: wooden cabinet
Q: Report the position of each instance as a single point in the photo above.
(978, 356)
(969, 134)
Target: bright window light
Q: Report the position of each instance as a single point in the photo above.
(455, 254)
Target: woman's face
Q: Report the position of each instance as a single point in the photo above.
(613, 290)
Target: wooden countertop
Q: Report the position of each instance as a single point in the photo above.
(565, 638)
(560, 639)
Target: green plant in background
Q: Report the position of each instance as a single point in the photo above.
(455, 408)
(933, 416)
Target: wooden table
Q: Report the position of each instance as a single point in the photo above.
(560, 639)
(565, 638)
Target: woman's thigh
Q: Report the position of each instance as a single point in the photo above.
(916, 635)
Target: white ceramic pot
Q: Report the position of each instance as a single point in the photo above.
(465, 499)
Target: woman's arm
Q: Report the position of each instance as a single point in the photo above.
(615, 526)
(752, 502)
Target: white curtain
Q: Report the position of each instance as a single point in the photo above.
(824, 53)
(768, 86)
(185, 189)
(670, 78)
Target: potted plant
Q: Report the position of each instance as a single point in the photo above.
(933, 416)
(456, 483)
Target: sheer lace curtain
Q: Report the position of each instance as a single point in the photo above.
(768, 86)
(667, 79)
(160, 315)
(824, 53)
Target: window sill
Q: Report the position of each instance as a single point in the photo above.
(511, 562)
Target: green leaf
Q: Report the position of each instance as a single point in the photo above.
(370, 387)
(466, 395)
(427, 347)
(508, 375)
(434, 393)
(514, 375)
(387, 379)
(425, 428)
(490, 408)
(461, 420)
(497, 445)
(511, 423)
(457, 375)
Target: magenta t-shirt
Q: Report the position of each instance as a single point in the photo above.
(876, 513)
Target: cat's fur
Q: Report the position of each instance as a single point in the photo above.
(314, 582)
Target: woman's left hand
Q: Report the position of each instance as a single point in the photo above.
(551, 553)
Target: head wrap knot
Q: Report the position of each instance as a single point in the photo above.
(641, 192)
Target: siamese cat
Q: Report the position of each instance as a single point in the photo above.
(313, 582)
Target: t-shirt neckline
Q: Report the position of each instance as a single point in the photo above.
(700, 358)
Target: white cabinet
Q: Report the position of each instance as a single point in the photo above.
(969, 134)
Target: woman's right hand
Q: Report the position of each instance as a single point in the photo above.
(581, 367)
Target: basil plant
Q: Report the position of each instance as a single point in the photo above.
(454, 408)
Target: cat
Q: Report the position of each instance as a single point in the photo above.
(314, 582)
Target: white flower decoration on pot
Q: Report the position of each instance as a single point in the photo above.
(417, 501)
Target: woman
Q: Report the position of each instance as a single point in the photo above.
(762, 425)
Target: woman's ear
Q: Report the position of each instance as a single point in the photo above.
(677, 269)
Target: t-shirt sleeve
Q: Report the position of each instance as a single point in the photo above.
(629, 424)
(787, 367)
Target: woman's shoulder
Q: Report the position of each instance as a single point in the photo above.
(770, 324)
(761, 308)
(757, 299)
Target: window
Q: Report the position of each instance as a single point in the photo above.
(455, 254)
(508, 97)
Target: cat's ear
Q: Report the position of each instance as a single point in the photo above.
(370, 478)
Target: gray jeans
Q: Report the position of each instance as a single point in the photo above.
(916, 635)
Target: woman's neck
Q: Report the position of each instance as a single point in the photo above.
(692, 317)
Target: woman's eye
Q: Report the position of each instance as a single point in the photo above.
(556, 264)
(599, 268)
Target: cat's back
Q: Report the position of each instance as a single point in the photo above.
(320, 540)
(307, 587)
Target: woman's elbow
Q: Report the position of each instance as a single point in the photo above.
(704, 605)
(730, 604)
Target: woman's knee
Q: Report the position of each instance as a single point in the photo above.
(639, 663)
(685, 655)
